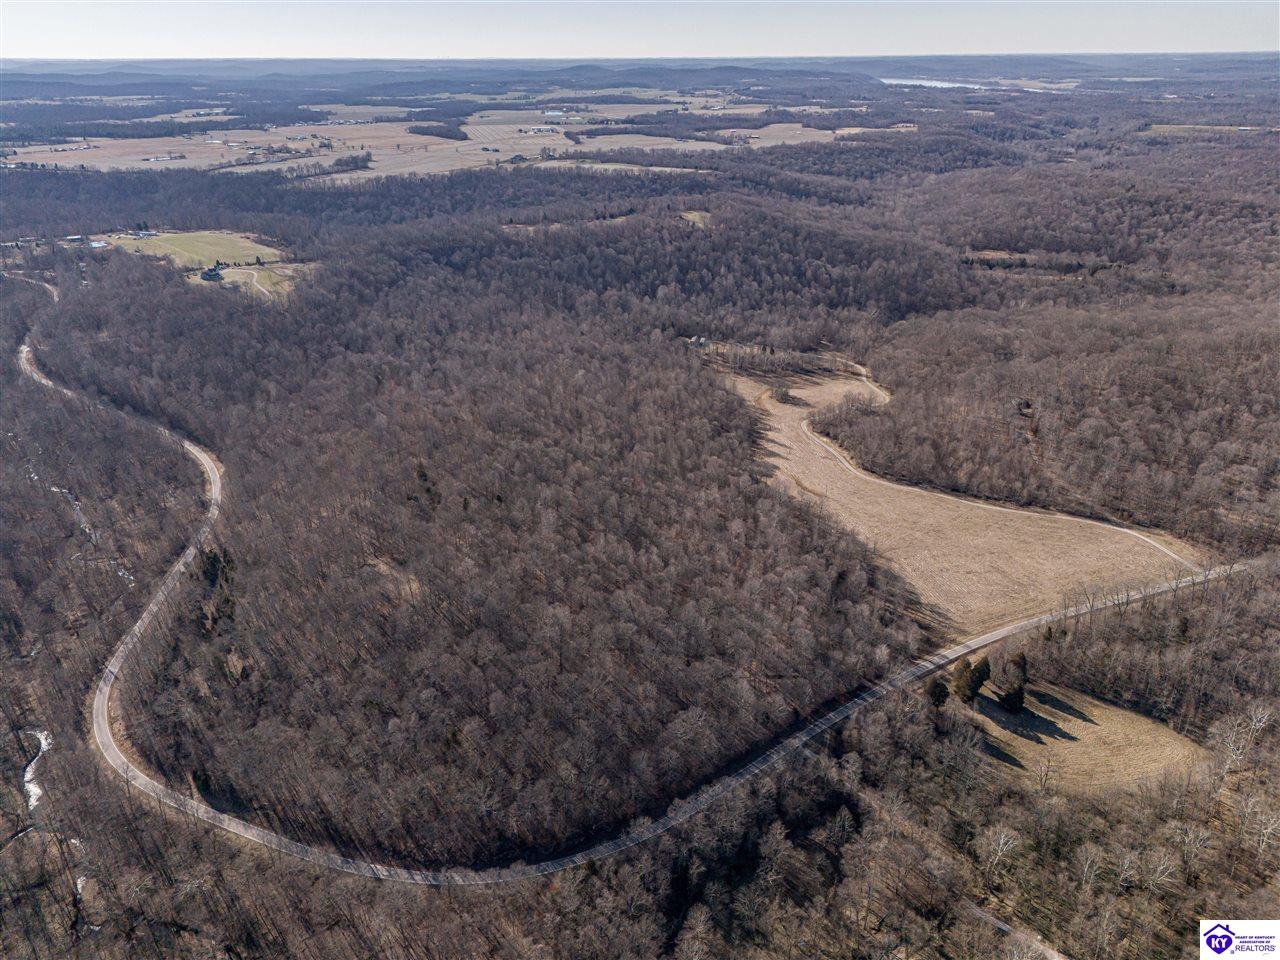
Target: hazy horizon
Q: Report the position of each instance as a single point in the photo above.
(132, 30)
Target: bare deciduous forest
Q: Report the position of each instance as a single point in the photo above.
(500, 570)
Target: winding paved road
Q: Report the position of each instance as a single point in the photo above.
(640, 832)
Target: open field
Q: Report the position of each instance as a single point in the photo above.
(1025, 83)
(776, 134)
(199, 248)
(1192, 129)
(492, 135)
(977, 564)
(194, 250)
(601, 166)
(630, 141)
(394, 150)
(1081, 744)
(273, 280)
(358, 111)
(232, 149)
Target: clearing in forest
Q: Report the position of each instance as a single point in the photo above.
(272, 280)
(197, 248)
(1191, 129)
(1079, 744)
(608, 166)
(979, 565)
(776, 134)
(645, 141)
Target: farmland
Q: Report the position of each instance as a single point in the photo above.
(610, 166)
(975, 564)
(251, 264)
(198, 248)
(776, 134)
(492, 136)
(1196, 129)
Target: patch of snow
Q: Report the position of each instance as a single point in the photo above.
(33, 791)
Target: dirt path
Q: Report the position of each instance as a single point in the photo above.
(253, 278)
(979, 564)
(105, 725)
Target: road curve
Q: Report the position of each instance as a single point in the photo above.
(640, 832)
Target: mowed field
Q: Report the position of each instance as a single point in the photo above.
(1082, 745)
(198, 248)
(776, 134)
(272, 281)
(977, 564)
(190, 251)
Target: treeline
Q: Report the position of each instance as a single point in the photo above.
(687, 125)
(55, 203)
(1157, 415)
(449, 131)
(54, 128)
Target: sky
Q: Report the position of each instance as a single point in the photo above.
(135, 29)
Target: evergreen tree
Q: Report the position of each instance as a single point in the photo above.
(962, 681)
(1018, 667)
(981, 673)
(937, 692)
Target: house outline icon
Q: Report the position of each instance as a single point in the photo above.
(1212, 930)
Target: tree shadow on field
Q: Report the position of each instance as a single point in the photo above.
(1026, 723)
(1060, 705)
(997, 752)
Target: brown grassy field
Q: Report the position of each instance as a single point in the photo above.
(979, 565)
(601, 166)
(1080, 744)
(492, 136)
(618, 141)
(393, 148)
(776, 134)
(1194, 129)
(272, 281)
(237, 150)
